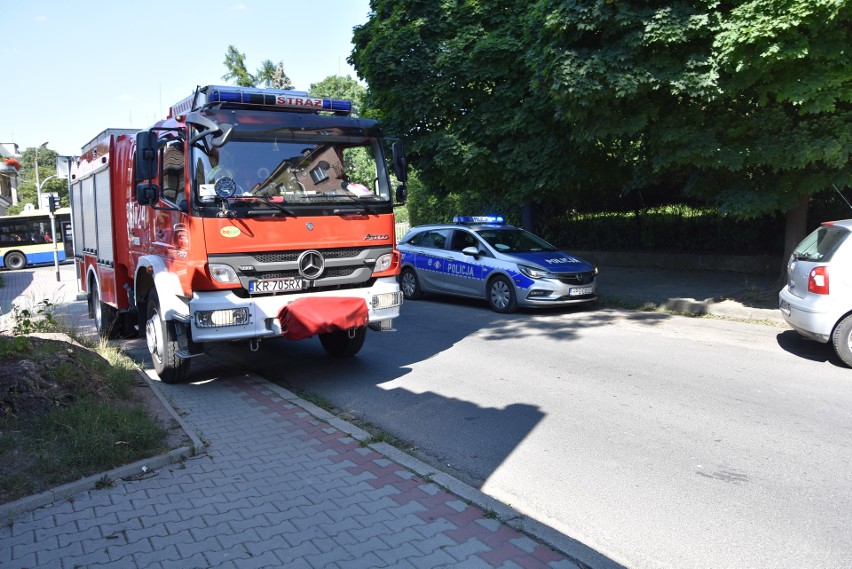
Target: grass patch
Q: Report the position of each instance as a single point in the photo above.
(66, 411)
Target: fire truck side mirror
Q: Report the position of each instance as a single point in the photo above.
(146, 194)
(146, 156)
(400, 164)
(401, 194)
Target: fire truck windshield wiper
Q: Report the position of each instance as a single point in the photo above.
(353, 199)
(266, 201)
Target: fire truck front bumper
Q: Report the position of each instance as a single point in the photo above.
(222, 315)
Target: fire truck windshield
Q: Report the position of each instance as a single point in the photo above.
(299, 171)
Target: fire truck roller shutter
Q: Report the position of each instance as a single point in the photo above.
(167, 286)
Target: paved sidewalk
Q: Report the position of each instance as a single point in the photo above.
(278, 487)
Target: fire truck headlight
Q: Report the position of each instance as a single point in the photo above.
(223, 273)
(383, 263)
(219, 318)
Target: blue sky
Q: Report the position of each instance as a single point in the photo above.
(72, 69)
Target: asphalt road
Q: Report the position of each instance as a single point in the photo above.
(661, 441)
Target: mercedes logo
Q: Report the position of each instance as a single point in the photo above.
(311, 264)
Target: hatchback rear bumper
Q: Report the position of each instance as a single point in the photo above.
(813, 317)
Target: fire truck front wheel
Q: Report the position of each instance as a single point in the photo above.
(163, 345)
(344, 343)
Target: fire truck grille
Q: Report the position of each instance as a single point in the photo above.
(293, 256)
(329, 272)
(576, 278)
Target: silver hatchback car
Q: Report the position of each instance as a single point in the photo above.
(817, 300)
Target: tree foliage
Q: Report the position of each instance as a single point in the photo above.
(269, 75)
(344, 88)
(744, 104)
(450, 78)
(27, 192)
(235, 62)
(273, 76)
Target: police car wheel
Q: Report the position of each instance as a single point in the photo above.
(501, 295)
(410, 285)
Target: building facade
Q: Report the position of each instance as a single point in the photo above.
(10, 175)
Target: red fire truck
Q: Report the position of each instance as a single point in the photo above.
(246, 214)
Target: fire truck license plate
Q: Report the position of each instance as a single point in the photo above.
(580, 291)
(278, 285)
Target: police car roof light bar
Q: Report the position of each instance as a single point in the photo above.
(479, 219)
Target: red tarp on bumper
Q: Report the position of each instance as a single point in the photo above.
(307, 317)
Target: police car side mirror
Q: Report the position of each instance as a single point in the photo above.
(471, 252)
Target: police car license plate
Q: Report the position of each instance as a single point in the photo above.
(278, 285)
(580, 291)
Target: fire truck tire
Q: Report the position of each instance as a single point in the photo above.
(162, 344)
(340, 344)
(14, 260)
(106, 317)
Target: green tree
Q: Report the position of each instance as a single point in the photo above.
(746, 102)
(273, 76)
(27, 192)
(344, 88)
(235, 62)
(474, 128)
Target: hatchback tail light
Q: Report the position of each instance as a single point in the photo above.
(818, 280)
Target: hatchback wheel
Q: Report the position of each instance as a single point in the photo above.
(842, 340)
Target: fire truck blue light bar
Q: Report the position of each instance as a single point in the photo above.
(276, 98)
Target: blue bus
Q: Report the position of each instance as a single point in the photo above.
(26, 239)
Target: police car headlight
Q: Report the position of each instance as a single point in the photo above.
(534, 273)
(223, 273)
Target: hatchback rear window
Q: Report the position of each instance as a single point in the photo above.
(820, 245)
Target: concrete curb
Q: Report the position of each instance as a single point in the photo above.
(128, 472)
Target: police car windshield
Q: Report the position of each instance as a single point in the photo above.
(512, 240)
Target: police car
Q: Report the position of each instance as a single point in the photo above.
(483, 257)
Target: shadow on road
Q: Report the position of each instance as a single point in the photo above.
(792, 342)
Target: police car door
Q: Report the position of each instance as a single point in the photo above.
(431, 260)
(463, 272)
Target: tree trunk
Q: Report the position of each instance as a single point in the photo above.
(528, 216)
(795, 229)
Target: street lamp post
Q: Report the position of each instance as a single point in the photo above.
(38, 186)
(52, 226)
